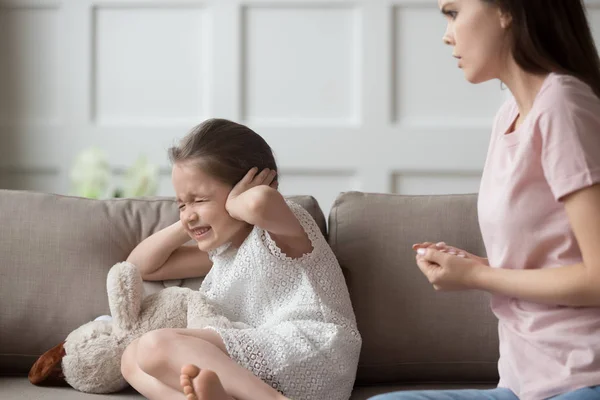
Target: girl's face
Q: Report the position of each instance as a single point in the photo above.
(201, 200)
(477, 31)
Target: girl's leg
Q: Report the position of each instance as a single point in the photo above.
(493, 394)
(147, 385)
(589, 393)
(162, 354)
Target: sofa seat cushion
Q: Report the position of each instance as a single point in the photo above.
(19, 388)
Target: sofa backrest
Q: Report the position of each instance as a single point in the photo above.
(55, 253)
(411, 332)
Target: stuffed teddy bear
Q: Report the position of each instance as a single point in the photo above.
(89, 359)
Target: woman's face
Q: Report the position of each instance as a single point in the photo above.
(478, 32)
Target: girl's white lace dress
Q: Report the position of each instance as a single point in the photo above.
(294, 323)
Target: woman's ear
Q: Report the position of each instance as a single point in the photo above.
(505, 19)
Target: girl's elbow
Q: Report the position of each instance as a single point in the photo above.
(262, 200)
(132, 259)
(140, 264)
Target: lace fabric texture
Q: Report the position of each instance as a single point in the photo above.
(294, 326)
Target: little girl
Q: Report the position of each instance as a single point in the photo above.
(268, 269)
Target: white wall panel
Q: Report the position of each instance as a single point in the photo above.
(430, 88)
(436, 182)
(351, 95)
(594, 18)
(301, 64)
(30, 62)
(150, 65)
(30, 179)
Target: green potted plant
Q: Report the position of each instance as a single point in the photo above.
(92, 177)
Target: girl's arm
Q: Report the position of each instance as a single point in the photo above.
(163, 255)
(255, 201)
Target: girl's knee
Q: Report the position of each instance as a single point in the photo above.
(164, 348)
(153, 349)
(155, 341)
(128, 360)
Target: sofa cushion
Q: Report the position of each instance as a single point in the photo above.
(411, 332)
(55, 253)
(19, 388)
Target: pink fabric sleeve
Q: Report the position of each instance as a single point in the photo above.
(570, 146)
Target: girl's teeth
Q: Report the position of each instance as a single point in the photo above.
(201, 231)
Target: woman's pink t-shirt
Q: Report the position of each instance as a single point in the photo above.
(545, 350)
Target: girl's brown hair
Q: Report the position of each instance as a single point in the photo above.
(553, 36)
(224, 149)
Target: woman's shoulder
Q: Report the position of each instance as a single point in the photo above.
(562, 93)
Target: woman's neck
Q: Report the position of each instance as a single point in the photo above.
(524, 86)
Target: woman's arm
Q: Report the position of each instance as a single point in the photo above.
(256, 202)
(573, 285)
(163, 255)
(567, 285)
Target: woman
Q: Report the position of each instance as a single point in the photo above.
(539, 200)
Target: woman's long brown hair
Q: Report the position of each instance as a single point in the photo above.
(553, 36)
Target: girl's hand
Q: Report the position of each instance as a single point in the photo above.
(444, 248)
(447, 271)
(251, 180)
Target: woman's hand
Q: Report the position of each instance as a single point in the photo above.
(447, 270)
(444, 248)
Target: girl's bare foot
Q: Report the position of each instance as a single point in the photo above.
(201, 384)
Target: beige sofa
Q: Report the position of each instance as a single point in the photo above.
(55, 252)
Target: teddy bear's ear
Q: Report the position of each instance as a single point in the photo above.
(47, 370)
